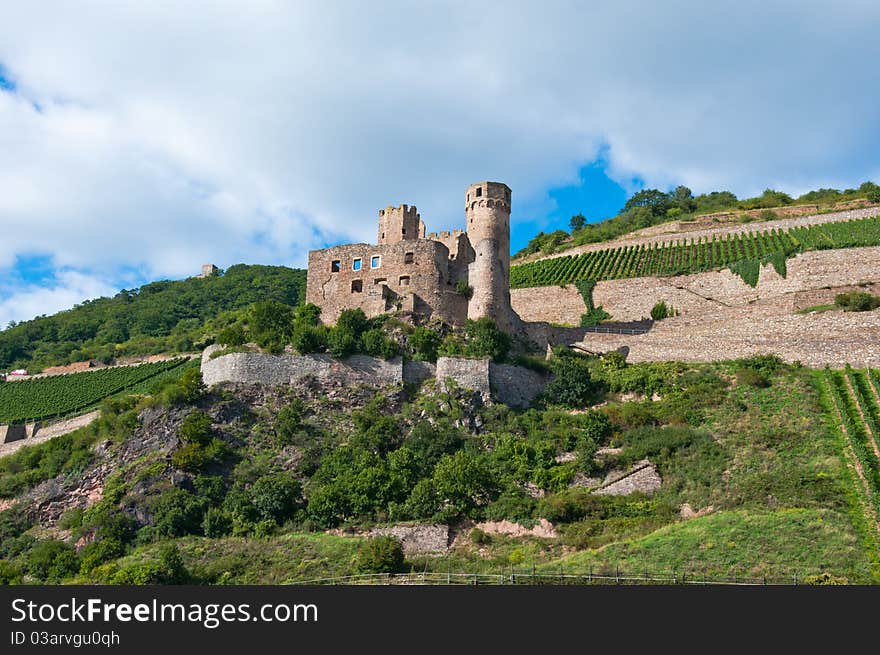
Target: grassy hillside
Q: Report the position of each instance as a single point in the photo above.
(238, 486)
(167, 316)
(742, 253)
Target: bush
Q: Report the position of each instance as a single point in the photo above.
(10, 574)
(289, 421)
(857, 301)
(752, 378)
(191, 385)
(217, 523)
(341, 342)
(380, 555)
(661, 310)
(480, 338)
(873, 195)
(572, 384)
(178, 512)
(232, 335)
(52, 560)
(196, 429)
(275, 496)
(376, 344)
(98, 552)
(424, 343)
(594, 317)
(463, 288)
(309, 339)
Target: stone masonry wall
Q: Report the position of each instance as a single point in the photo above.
(468, 373)
(632, 299)
(514, 385)
(283, 369)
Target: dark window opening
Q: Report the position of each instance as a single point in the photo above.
(479, 192)
(404, 280)
(335, 266)
(380, 280)
(408, 258)
(383, 235)
(403, 231)
(357, 286)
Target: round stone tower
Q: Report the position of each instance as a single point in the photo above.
(487, 208)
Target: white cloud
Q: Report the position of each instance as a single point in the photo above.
(171, 134)
(69, 288)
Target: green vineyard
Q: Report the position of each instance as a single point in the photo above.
(742, 253)
(62, 395)
(854, 397)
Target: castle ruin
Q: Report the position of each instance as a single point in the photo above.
(451, 276)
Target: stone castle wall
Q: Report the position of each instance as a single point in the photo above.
(632, 299)
(512, 385)
(413, 273)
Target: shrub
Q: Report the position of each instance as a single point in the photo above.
(480, 338)
(341, 341)
(857, 301)
(172, 566)
(572, 384)
(232, 335)
(217, 523)
(289, 420)
(479, 538)
(10, 574)
(191, 385)
(873, 195)
(52, 560)
(463, 288)
(661, 310)
(309, 339)
(353, 320)
(275, 496)
(424, 343)
(178, 512)
(380, 555)
(98, 552)
(594, 317)
(376, 344)
(752, 378)
(196, 429)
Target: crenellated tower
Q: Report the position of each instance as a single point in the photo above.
(487, 209)
(398, 224)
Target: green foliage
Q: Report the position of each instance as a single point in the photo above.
(289, 421)
(232, 335)
(661, 310)
(380, 555)
(52, 560)
(68, 454)
(10, 574)
(463, 288)
(573, 384)
(196, 429)
(275, 496)
(752, 378)
(191, 385)
(857, 301)
(424, 343)
(99, 552)
(480, 338)
(270, 323)
(463, 482)
(156, 318)
(217, 523)
(308, 339)
(60, 395)
(376, 344)
(577, 222)
(741, 253)
(178, 512)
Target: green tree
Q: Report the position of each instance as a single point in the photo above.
(380, 555)
(275, 496)
(577, 222)
(424, 343)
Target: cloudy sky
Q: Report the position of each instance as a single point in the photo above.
(141, 139)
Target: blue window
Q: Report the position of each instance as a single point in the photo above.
(375, 261)
(356, 265)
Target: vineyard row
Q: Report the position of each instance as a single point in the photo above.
(697, 255)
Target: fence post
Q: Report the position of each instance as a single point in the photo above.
(591, 574)
(795, 578)
(617, 576)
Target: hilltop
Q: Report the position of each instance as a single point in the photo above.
(160, 317)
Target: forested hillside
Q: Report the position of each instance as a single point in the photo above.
(166, 316)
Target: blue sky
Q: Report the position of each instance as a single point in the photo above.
(139, 140)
